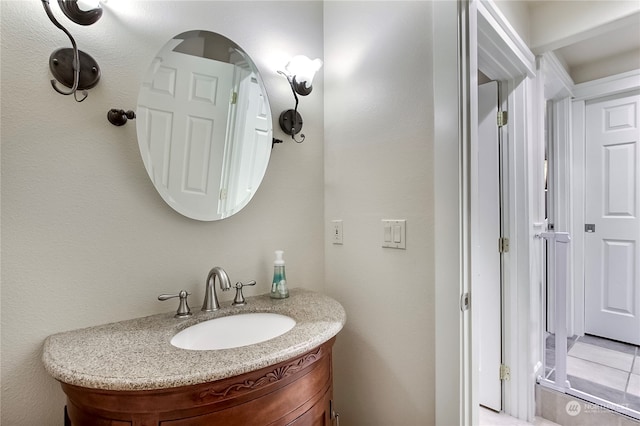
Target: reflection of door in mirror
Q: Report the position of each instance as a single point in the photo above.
(249, 143)
(204, 125)
(190, 97)
(243, 170)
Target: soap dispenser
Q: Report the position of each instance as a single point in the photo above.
(279, 285)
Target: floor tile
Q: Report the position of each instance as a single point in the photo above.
(549, 358)
(594, 367)
(609, 344)
(607, 376)
(610, 358)
(596, 389)
(491, 418)
(632, 402)
(634, 385)
(550, 341)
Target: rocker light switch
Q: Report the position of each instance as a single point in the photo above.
(397, 234)
(394, 234)
(387, 233)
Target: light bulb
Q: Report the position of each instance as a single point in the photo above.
(87, 5)
(303, 69)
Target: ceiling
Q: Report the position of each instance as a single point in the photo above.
(607, 44)
(589, 51)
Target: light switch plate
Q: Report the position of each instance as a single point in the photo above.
(394, 233)
(336, 231)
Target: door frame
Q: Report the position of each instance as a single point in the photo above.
(477, 30)
(574, 165)
(454, 376)
(503, 56)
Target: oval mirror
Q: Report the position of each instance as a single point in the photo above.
(204, 125)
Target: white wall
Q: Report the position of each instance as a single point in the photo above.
(85, 237)
(87, 240)
(379, 165)
(517, 13)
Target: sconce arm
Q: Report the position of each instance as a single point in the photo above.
(76, 57)
(295, 114)
(81, 17)
(293, 89)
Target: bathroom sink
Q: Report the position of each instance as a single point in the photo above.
(233, 331)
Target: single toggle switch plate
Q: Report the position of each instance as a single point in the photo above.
(336, 231)
(394, 234)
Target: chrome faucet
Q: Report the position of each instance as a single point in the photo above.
(210, 296)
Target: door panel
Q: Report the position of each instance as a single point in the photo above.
(252, 143)
(191, 105)
(486, 256)
(612, 296)
(617, 289)
(619, 185)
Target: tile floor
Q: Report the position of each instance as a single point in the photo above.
(604, 368)
(491, 418)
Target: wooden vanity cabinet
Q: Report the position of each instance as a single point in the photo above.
(295, 392)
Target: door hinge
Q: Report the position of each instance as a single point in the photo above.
(223, 194)
(234, 98)
(505, 372)
(465, 302)
(503, 245)
(502, 118)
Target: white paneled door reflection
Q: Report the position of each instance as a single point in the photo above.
(191, 99)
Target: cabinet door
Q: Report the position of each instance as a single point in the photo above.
(318, 415)
(75, 417)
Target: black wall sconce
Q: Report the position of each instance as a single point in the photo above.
(299, 73)
(71, 67)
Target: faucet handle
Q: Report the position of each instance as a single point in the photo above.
(183, 309)
(239, 299)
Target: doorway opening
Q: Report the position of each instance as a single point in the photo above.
(598, 171)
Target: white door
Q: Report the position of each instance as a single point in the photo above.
(486, 256)
(186, 128)
(612, 202)
(250, 146)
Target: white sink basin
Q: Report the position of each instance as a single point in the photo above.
(233, 331)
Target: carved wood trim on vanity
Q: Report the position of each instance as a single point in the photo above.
(278, 394)
(279, 373)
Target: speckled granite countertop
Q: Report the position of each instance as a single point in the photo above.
(137, 354)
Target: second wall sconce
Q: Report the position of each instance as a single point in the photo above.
(71, 67)
(299, 73)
